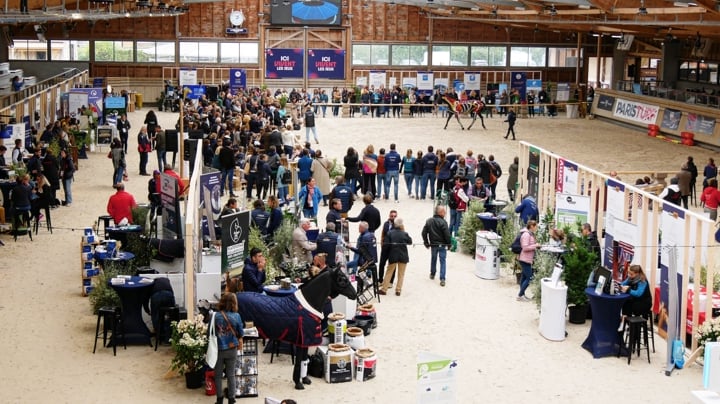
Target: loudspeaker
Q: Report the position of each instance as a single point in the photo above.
(631, 71)
(171, 140)
(196, 134)
(211, 92)
(189, 152)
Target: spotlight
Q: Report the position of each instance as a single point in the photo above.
(40, 32)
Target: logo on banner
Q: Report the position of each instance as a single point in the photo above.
(235, 231)
(606, 102)
(518, 76)
(238, 74)
(424, 76)
(471, 77)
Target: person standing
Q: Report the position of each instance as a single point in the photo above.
(144, 148)
(310, 125)
(513, 178)
(459, 193)
(344, 194)
(526, 258)
(160, 144)
(406, 168)
(321, 167)
(709, 172)
(684, 183)
(710, 198)
(67, 171)
(527, 209)
(310, 197)
(368, 214)
(152, 122)
(511, 124)
(352, 173)
(369, 169)
(384, 246)
(229, 334)
(118, 160)
(693, 177)
(381, 175)
(123, 127)
(436, 237)
(226, 157)
(429, 165)
(398, 240)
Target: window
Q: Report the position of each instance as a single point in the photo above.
(409, 55)
(371, 54)
(70, 50)
(113, 51)
(527, 56)
(28, 50)
(238, 52)
(444, 55)
(155, 52)
(488, 56)
(562, 57)
(198, 52)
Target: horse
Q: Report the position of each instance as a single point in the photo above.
(296, 318)
(457, 107)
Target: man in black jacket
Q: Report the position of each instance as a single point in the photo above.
(436, 237)
(368, 214)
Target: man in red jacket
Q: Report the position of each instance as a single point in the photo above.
(120, 205)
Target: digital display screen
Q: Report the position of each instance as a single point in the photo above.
(306, 12)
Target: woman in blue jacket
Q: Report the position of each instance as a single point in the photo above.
(229, 333)
(406, 168)
(310, 197)
(418, 172)
(636, 284)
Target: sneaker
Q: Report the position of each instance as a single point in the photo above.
(432, 276)
(442, 283)
(522, 299)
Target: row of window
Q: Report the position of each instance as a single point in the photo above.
(248, 53)
(700, 72)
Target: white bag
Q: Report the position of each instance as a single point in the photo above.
(212, 350)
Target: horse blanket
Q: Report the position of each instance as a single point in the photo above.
(289, 319)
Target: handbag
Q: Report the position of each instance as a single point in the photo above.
(233, 331)
(212, 350)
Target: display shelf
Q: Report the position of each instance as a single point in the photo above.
(246, 369)
(88, 270)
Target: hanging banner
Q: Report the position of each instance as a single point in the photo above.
(238, 80)
(284, 63)
(377, 78)
(570, 209)
(671, 119)
(441, 84)
(567, 177)
(188, 77)
(94, 100)
(210, 202)
(326, 64)
(409, 82)
(472, 81)
(171, 207)
(425, 81)
(563, 92)
(700, 124)
(533, 172)
(392, 82)
(361, 81)
(606, 102)
(235, 234)
(636, 111)
(519, 82)
(193, 92)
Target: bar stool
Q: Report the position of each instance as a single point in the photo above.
(275, 350)
(21, 224)
(636, 337)
(106, 223)
(48, 222)
(169, 313)
(112, 319)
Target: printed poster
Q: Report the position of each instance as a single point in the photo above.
(567, 177)
(326, 64)
(563, 92)
(441, 84)
(472, 81)
(700, 124)
(210, 202)
(570, 209)
(519, 82)
(171, 207)
(235, 234)
(409, 82)
(606, 102)
(533, 176)
(436, 378)
(284, 63)
(671, 119)
(188, 77)
(636, 111)
(238, 80)
(378, 78)
(361, 81)
(425, 81)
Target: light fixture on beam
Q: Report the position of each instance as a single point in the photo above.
(552, 11)
(642, 10)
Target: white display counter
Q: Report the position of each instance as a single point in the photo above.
(552, 310)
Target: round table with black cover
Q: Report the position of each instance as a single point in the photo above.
(120, 233)
(604, 338)
(133, 294)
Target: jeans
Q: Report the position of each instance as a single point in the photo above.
(527, 274)
(418, 180)
(409, 182)
(456, 217)
(434, 252)
(226, 358)
(161, 159)
(307, 133)
(118, 175)
(428, 176)
(394, 177)
(67, 187)
(282, 193)
(382, 184)
(143, 163)
(351, 183)
(227, 175)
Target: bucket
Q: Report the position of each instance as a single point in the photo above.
(338, 366)
(337, 327)
(355, 338)
(365, 362)
(365, 323)
(367, 310)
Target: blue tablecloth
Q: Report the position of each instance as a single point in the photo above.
(270, 291)
(604, 338)
(132, 296)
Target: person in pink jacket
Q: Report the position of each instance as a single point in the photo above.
(529, 245)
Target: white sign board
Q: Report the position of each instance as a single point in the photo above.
(436, 378)
(188, 77)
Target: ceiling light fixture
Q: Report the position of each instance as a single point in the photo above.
(552, 11)
(642, 10)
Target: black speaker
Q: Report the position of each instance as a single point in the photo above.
(189, 152)
(196, 134)
(171, 140)
(211, 92)
(631, 71)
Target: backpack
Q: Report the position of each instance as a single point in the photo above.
(497, 169)
(452, 200)
(516, 247)
(286, 177)
(673, 196)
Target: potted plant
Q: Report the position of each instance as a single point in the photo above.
(579, 262)
(709, 331)
(189, 341)
(470, 226)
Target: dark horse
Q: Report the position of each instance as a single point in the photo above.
(295, 319)
(457, 107)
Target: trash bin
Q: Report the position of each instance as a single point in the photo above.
(552, 310)
(487, 255)
(138, 100)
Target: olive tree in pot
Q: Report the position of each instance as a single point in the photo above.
(579, 262)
